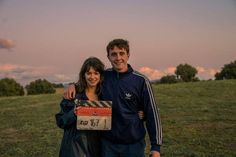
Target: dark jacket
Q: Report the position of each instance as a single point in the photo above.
(76, 143)
(130, 92)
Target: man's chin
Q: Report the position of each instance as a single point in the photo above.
(117, 68)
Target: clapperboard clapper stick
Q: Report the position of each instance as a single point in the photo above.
(93, 115)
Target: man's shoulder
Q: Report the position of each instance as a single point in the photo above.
(108, 73)
(140, 75)
(108, 70)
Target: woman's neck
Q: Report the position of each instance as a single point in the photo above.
(91, 93)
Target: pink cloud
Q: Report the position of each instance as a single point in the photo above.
(170, 70)
(25, 74)
(206, 73)
(212, 72)
(6, 43)
(152, 74)
(7, 67)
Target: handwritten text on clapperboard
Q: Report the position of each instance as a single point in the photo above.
(93, 115)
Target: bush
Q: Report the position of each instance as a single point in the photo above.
(169, 79)
(227, 72)
(9, 87)
(40, 87)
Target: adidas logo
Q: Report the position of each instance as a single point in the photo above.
(128, 96)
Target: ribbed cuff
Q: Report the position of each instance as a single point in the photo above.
(156, 148)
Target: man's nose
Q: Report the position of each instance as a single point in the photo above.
(118, 56)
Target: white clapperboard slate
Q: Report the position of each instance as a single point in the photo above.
(93, 115)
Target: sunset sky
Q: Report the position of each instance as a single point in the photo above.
(51, 38)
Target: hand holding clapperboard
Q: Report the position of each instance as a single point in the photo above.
(93, 115)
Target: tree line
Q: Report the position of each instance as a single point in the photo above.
(9, 87)
(183, 73)
(187, 73)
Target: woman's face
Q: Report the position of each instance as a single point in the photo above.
(92, 77)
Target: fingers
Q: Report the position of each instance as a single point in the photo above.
(69, 92)
(75, 109)
(155, 154)
(65, 96)
(141, 115)
(73, 93)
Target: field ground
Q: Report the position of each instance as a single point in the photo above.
(199, 119)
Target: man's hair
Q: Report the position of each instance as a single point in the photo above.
(98, 66)
(120, 43)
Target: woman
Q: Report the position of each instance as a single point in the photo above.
(81, 143)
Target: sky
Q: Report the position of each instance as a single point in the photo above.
(51, 38)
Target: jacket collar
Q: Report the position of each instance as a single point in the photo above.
(130, 70)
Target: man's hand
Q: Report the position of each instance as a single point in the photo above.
(141, 115)
(155, 154)
(69, 92)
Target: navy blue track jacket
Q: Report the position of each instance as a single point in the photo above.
(129, 93)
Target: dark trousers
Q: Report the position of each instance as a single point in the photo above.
(110, 149)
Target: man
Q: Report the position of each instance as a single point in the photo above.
(129, 92)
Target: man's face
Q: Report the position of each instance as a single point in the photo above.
(118, 58)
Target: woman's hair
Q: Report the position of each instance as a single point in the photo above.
(98, 66)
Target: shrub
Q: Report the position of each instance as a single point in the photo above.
(169, 79)
(40, 87)
(9, 87)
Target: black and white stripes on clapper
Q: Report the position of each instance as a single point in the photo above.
(89, 103)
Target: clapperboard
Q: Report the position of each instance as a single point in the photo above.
(93, 115)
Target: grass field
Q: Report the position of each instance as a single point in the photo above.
(199, 119)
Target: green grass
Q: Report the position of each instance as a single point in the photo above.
(28, 126)
(198, 119)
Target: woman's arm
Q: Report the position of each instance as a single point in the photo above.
(66, 117)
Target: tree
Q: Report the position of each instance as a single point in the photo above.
(186, 72)
(218, 76)
(227, 72)
(40, 87)
(169, 79)
(9, 87)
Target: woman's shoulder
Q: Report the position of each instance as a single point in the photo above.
(81, 96)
